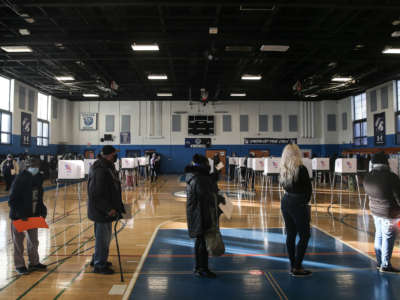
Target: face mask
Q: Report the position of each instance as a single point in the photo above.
(33, 171)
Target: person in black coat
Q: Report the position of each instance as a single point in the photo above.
(383, 188)
(25, 201)
(104, 205)
(295, 206)
(201, 208)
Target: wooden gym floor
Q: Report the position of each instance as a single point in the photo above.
(67, 245)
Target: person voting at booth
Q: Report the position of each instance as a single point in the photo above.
(25, 201)
(104, 205)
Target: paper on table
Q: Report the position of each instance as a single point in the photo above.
(227, 208)
(219, 166)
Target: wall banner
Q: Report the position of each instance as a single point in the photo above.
(88, 121)
(379, 129)
(263, 141)
(26, 129)
(197, 142)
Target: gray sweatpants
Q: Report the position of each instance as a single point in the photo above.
(32, 245)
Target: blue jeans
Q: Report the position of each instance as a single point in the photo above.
(385, 235)
(103, 232)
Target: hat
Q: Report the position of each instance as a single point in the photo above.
(108, 149)
(9, 156)
(33, 162)
(380, 158)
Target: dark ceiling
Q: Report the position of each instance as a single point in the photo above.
(91, 40)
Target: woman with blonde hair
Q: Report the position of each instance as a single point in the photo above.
(296, 182)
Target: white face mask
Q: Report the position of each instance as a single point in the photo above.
(33, 171)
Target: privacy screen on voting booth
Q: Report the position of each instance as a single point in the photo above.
(129, 163)
(320, 164)
(71, 169)
(87, 164)
(346, 166)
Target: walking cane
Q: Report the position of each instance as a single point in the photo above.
(116, 242)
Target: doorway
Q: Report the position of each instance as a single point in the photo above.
(222, 157)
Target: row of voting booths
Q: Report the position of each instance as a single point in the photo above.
(131, 171)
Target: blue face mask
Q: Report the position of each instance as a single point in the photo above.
(33, 171)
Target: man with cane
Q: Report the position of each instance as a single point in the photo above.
(104, 205)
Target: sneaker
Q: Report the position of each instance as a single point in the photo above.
(39, 266)
(300, 272)
(105, 271)
(389, 269)
(22, 271)
(206, 274)
(109, 264)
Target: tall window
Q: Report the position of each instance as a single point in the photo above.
(397, 114)
(5, 114)
(360, 120)
(43, 120)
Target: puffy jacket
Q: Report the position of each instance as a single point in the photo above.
(201, 207)
(383, 189)
(104, 191)
(21, 196)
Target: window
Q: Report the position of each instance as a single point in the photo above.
(226, 123)
(42, 133)
(43, 107)
(360, 120)
(262, 123)
(109, 123)
(293, 123)
(125, 123)
(5, 130)
(344, 121)
(54, 109)
(31, 101)
(21, 97)
(176, 123)
(331, 122)
(277, 123)
(374, 103)
(384, 97)
(5, 93)
(244, 123)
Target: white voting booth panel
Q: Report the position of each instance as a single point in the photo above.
(272, 165)
(258, 164)
(250, 162)
(346, 165)
(87, 164)
(71, 169)
(233, 160)
(393, 164)
(242, 162)
(320, 164)
(308, 164)
(144, 161)
(128, 163)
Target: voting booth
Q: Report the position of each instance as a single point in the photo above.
(271, 169)
(345, 167)
(87, 164)
(129, 170)
(320, 164)
(320, 168)
(258, 164)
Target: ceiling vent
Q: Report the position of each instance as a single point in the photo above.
(257, 7)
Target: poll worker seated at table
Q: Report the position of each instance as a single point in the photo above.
(383, 188)
(26, 200)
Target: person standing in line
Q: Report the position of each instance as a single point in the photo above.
(9, 168)
(383, 188)
(201, 209)
(153, 167)
(25, 201)
(295, 207)
(104, 206)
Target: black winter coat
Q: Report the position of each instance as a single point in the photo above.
(383, 188)
(201, 207)
(104, 191)
(21, 196)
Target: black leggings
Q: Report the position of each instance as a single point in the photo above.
(296, 213)
(201, 254)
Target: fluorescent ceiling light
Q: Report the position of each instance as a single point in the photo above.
(238, 94)
(213, 30)
(395, 34)
(391, 51)
(311, 96)
(65, 78)
(24, 31)
(16, 49)
(274, 48)
(396, 22)
(157, 77)
(164, 94)
(251, 77)
(90, 95)
(342, 79)
(154, 47)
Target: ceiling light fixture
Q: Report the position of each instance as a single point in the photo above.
(342, 79)
(154, 47)
(396, 22)
(274, 48)
(24, 31)
(65, 78)
(389, 50)
(164, 94)
(213, 30)
(251, 77)
(395, 34)
(238, 94)
(157, 77)
(90, 95)
(28, 18)
(311, 96)
(16, 49)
